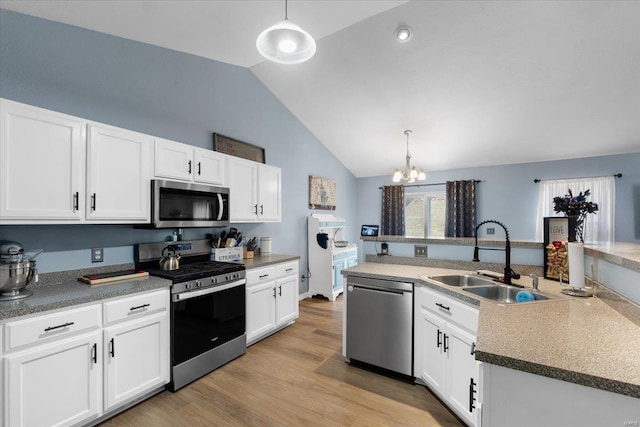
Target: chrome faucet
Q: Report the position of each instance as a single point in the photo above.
(508, 272)
(534, 281)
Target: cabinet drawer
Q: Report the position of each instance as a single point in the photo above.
(448, 308)
(135, 306)
(261, 275)
(51, 326)
(287, 269)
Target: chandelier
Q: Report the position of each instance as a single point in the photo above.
(409, 174)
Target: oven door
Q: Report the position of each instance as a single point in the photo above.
(205, 319)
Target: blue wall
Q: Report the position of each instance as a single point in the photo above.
(167, 94)
(508, 193)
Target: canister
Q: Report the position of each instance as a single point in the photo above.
(265, 246)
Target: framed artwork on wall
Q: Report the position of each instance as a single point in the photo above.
(233, 147)
(322, 193)
(557, 232)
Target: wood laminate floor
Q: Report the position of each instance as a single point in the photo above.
(296, 377)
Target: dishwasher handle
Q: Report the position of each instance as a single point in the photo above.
(376, 289)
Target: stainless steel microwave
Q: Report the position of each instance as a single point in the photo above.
(182, 205)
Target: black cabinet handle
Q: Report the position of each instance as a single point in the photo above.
(93, 202)
(139, 307)
(76, 198)
(446, 342)
(189, 167)
(255, 208)
(261, 209)
(64, 325)
(438, 341)
(95, 353)
(274, 292)
(472, 395)
(199, 168)
(442, 306)
(288, 270)
(280, 290)
(473, 348)
(112, 348)
(262, 276)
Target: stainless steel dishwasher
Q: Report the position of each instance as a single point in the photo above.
(380, 323)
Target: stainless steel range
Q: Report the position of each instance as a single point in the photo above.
(207, 308)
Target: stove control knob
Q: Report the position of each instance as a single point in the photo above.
(188, 285)
(198, 283)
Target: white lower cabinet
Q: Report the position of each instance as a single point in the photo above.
(54, 385)
(272, 299)
(135, 358)
(65, 369)
(444, 358)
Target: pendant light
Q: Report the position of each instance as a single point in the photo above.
(409, 174)
(285, 42)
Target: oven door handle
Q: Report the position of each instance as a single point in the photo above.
(194, 294)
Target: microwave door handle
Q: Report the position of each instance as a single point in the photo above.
(221, 204)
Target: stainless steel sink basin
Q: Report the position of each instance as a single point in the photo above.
(503, 293)
(463, 280)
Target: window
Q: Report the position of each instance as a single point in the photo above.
(424, 214)
(600, 226)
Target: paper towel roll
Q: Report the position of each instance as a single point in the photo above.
(576, 265)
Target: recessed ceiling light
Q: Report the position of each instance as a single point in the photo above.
(403, 33)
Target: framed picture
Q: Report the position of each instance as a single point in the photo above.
(322, 193)
(557, 232)
(233, 147)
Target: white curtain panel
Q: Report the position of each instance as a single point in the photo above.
(599, 227)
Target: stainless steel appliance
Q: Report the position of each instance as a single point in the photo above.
(182, 204)
(208, 320)
(380, 323)
(17, 270)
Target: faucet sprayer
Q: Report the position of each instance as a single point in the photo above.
(508, 272)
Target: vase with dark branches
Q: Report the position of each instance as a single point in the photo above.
(576, 206)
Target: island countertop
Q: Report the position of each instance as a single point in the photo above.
(579, 340)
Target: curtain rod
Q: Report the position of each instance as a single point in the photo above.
(617, 175)
(428, 185)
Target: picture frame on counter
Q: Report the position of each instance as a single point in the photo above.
(557, 232)
(234, 147)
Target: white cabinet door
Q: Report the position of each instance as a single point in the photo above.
(261, 309)
(287, 300)
(463, 373)
(209, 167)
(173, 160)
(136, 358)
(242, 178)
(41, 165)
(118, 175)
(430, 358)
(269, 193)
(53, 385)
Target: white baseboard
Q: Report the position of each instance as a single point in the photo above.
(303, 296)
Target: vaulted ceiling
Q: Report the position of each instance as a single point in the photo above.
(479, 83)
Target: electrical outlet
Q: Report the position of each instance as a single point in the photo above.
(97, 254)
(491, 230)
(420, 251)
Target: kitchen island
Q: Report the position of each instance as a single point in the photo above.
(532, 350)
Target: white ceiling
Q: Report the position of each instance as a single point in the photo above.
(480, 82)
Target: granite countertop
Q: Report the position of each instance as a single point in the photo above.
(70, 292)
(621, 253)
(579, 340)
(266, 260)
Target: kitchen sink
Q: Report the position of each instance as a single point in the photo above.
(463, 280)
(503, 293)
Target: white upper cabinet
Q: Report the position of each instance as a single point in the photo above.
(184, 162)
(41, 165)
(61, 169)
(255, 191)
(118, 175)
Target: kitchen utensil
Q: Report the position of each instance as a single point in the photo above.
(16, 271)
(171, 261)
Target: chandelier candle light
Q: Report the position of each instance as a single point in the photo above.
(285, 42)
(409, 174)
